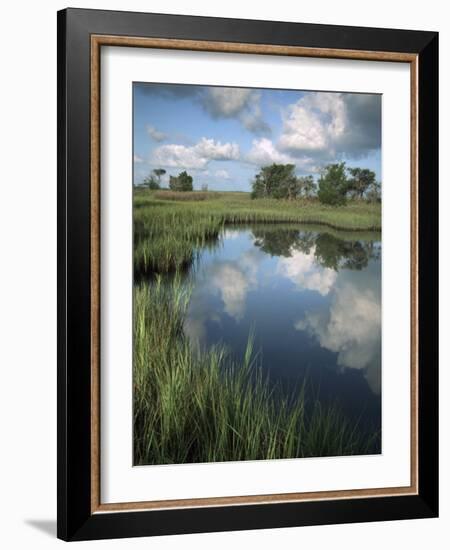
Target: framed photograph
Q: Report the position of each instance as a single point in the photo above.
(247, 254)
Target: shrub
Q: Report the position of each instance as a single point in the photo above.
(333, 185)
(183, 182)
(151, 182)
(276, 180)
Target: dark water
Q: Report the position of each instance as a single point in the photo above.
(312, 299)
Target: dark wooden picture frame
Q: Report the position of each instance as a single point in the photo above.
(81, 34)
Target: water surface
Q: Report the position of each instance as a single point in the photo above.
(311, 296)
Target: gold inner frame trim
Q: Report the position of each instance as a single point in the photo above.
(97, 41)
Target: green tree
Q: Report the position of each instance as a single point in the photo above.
(333, 184)
(276, 180)
(361, 180)
(290, 186)
(151, 182)
(158, 173)
(258, 187)
(182, 182)
(374, 192)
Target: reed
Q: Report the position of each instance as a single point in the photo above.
(192, 406)
(168, 233)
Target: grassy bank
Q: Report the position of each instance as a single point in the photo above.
(191, 407)
(167, 231)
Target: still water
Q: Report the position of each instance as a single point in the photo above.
(311, 297)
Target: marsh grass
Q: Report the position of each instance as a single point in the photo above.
(203, 406)
(165, 241)
(186, 196)
(192, 406)
(168, 233)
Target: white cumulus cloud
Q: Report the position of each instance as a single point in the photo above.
(313, 123)
(263, 152)
(196, 156)
(330, 124)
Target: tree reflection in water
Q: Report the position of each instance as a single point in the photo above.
(329, 250)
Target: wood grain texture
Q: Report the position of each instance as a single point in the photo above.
(255, 499)
(260, 49)
(124, 41)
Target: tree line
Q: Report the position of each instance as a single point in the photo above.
(182, 182)
(335, 185)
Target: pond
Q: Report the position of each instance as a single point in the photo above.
(312, 299)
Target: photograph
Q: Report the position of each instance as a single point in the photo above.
(257, 262)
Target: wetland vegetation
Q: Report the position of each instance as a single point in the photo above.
(220, 399)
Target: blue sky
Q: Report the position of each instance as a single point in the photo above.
(223, 136)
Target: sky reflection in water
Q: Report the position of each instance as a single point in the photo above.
(313, 300)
